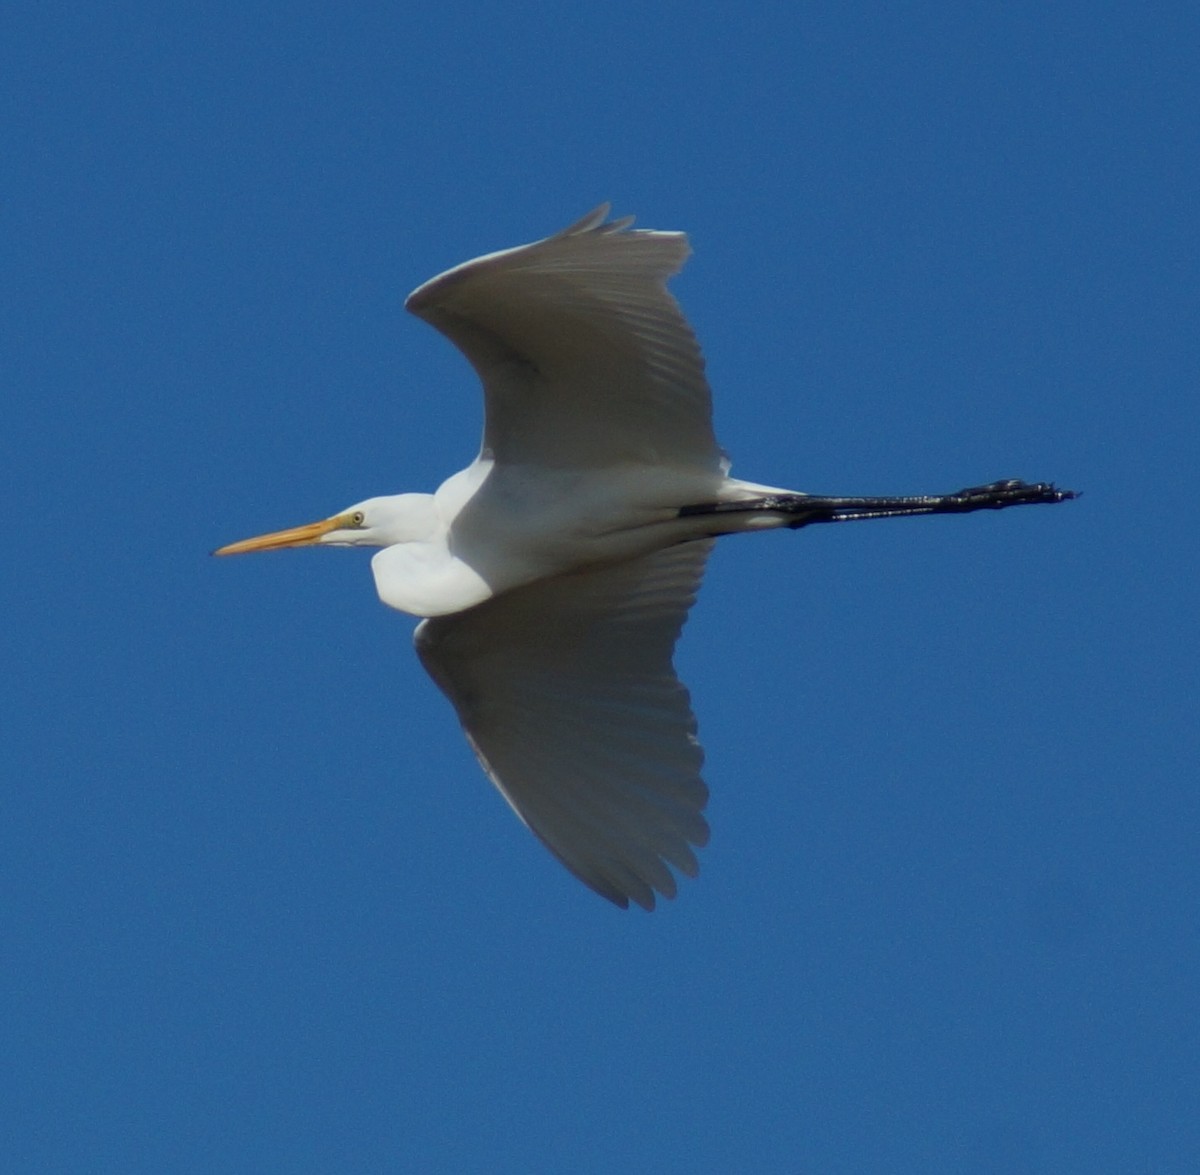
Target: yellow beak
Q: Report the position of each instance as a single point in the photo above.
(298, 536)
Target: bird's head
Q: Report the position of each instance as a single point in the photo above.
(377, 522)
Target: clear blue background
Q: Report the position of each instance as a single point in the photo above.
(261, 911)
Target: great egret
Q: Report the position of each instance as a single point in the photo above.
(555, 572)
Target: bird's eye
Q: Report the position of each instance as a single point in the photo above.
(357, 518)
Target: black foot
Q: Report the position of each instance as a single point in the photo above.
(998, 494)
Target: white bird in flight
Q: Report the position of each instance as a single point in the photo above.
(555, 572)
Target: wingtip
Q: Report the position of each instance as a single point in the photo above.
(597, 221)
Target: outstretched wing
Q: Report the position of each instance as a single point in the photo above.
(567, 692)
(586, 359)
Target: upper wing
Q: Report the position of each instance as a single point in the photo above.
(567, 693)
(585, 358)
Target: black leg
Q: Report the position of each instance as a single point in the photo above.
(806, 509)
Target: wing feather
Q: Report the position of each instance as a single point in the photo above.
(568, 695)
(586, 360)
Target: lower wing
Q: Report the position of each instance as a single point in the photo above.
(567, 692)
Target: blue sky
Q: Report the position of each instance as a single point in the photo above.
(261, 911)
